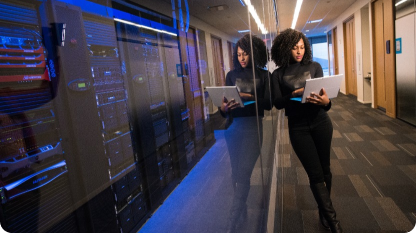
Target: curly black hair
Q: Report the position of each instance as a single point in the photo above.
(283, 44)
(259, 54)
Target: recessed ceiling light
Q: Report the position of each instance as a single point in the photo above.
(242, 31)
(307, 30)
(255, 16)
(218, 8)
(314, 21)
(296, 14)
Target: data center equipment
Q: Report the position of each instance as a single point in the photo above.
(151, 104)
(34, 183)
(99, 119)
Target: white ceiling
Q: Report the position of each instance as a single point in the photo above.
(235, 17)
(327, 10)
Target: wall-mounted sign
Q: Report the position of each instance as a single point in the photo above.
(398, 45)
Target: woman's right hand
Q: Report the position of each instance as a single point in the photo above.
(226, 105)
(298, 92)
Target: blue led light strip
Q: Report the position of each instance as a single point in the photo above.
(19, 182)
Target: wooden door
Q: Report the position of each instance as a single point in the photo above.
(384, 56)
(218, 61)
(350, 70)
(379, 51)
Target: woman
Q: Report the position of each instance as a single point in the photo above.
(242, 136)
(310, 128)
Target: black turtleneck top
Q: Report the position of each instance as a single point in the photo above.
(287, 79)
(243, 79)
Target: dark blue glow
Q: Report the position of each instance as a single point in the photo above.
(91, 7)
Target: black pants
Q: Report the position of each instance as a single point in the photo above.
(311, 140)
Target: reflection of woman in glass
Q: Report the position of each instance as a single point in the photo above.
(310, 128)
(242, 137)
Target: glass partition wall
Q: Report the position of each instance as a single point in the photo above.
(106, 125)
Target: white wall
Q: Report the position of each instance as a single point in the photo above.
(366, 55)
(355, 11)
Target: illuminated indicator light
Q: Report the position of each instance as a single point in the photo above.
(81, 85)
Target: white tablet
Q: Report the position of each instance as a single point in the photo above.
(216, 94)
(331, 84)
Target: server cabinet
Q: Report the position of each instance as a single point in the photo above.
(77, 108)
(155, 115)
(34, 183)
(99, 127)
(111, 95)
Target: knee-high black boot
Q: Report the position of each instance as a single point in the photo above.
(328, 184)
(321, 194)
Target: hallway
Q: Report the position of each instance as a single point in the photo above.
(374, 174)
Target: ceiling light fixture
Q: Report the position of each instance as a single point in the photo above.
(296, 14)
(314, 21)
(402, 1)
(145, 27)
(242, 31)
(255, 17)
(218, 8)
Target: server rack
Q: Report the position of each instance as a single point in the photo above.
(155, 115)
(111, 96)
(93, 86)
(34, 182)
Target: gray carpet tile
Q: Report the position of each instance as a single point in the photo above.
(309, 221)
(383, 220)
(409, 148)
(354, 214)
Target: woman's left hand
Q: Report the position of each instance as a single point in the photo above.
(319, 99)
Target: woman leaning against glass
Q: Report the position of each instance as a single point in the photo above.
(310, 128)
